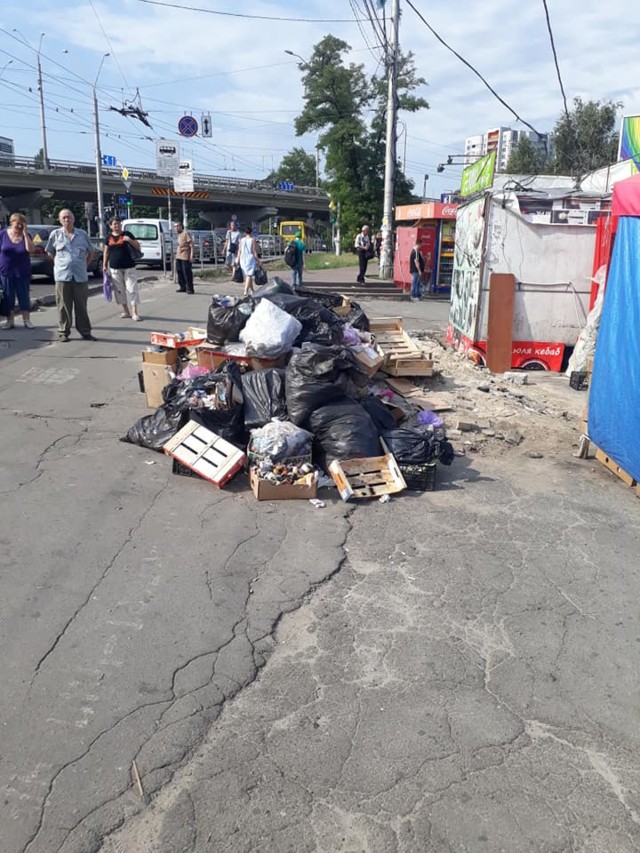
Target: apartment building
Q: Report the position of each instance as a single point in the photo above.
(502, 140)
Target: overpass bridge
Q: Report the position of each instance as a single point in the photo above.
(24, 184)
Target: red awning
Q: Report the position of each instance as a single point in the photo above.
(626, 197)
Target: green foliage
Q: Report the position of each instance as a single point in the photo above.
(587, 140)
(526, 159)
(297, 166)
(349, 113)
(50, 209)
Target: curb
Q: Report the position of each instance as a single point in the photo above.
(50, 299)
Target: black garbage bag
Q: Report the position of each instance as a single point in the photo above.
(238, 275)
(226, 321)
(264, 397)
(355, 317)
(446, 453)
(343, 430)
(379, 414)
(316, 376)
(227, 423)
(319, 325)
(276, 285)
(412, 446)
(154, 431)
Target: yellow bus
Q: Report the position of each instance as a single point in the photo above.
(310, 236)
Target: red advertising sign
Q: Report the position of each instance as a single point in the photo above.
(427, 210)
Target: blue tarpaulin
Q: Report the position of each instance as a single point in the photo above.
(614, 396)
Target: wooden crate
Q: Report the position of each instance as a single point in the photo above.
(613, 466)
(205, 453)
(367, 478)
(402, 356)
(343, 310)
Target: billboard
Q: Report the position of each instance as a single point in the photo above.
(629, 147)
(479, 175)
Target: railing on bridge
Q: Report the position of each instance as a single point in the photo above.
(216, 182)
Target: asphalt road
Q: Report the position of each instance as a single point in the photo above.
(463, 678)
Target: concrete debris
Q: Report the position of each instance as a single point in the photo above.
(534, 454)
(513, 437)
(516, 378)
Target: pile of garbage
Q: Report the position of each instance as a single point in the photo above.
(290, 385)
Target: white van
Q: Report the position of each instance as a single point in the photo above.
(154, 236)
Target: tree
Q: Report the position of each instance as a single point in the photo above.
(297, 166)
(586, 139)
(526, 158)
(348, 110)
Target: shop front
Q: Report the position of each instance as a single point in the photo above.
(432, 225)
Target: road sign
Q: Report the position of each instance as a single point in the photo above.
(167, 158)
(188, 126)
(125, 178)
(205, 124)
(183, 181)
(109, 160)
(287, 186)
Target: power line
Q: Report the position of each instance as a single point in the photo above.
(110, 46)
(555, 59)
(251, 17)
(472, 68)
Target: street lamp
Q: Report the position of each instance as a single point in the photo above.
(424, 188)
(4, 67)
(297, 56)
(96, 121)
(45, 150)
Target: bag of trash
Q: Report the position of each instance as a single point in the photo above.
(355, 316)
(316, 376)
(270, 331)
(343, 430)
(276, 285)
(319, 325)
(155, 430)
(379, 414)
(238, 275)
(227, 317)
(264, 397)
(280, 440)
(260, 277)
(411, 446)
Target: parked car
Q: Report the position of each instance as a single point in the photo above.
(41, 263)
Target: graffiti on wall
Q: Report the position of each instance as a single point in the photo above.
(465, 283)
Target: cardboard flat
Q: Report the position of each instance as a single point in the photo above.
(155, 377)
(417, 395)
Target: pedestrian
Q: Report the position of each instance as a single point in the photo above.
(231, 243)
(417, 269)
(71, 250)
(15, 270)
(299, 267)
(184, 260)
(364, 250)
(248, 259)
(377, 245)
(119, 262)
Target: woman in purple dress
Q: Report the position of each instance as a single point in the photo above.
(15, 269)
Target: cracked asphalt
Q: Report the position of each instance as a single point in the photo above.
(453, 671)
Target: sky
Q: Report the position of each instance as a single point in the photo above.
(235, 68)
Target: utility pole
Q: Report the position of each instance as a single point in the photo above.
(317, 167)
(386, 254)
(45, 150)
(96, 127)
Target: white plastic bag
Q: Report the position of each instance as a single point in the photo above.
(270, 331)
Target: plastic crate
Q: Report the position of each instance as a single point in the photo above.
(579, 380)
(183, 471)
(419, 478)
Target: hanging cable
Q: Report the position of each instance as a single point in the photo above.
(250, 17)
(475, 71)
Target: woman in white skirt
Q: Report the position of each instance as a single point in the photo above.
(119, 262)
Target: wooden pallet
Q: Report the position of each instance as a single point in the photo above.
(613, 466)
(402, 356)
(367, 478)
(205, 453)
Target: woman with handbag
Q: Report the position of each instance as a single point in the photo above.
(119, 259)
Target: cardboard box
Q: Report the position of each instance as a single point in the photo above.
(155, 377)
(166, 357)
(367, 478)
(212, 356)
(266, 491)
(190, 338)
(370, 358)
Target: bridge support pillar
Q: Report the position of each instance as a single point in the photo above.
(220, 218)
(30, 202)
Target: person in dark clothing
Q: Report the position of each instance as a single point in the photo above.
(417, 269)
(364, 250)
